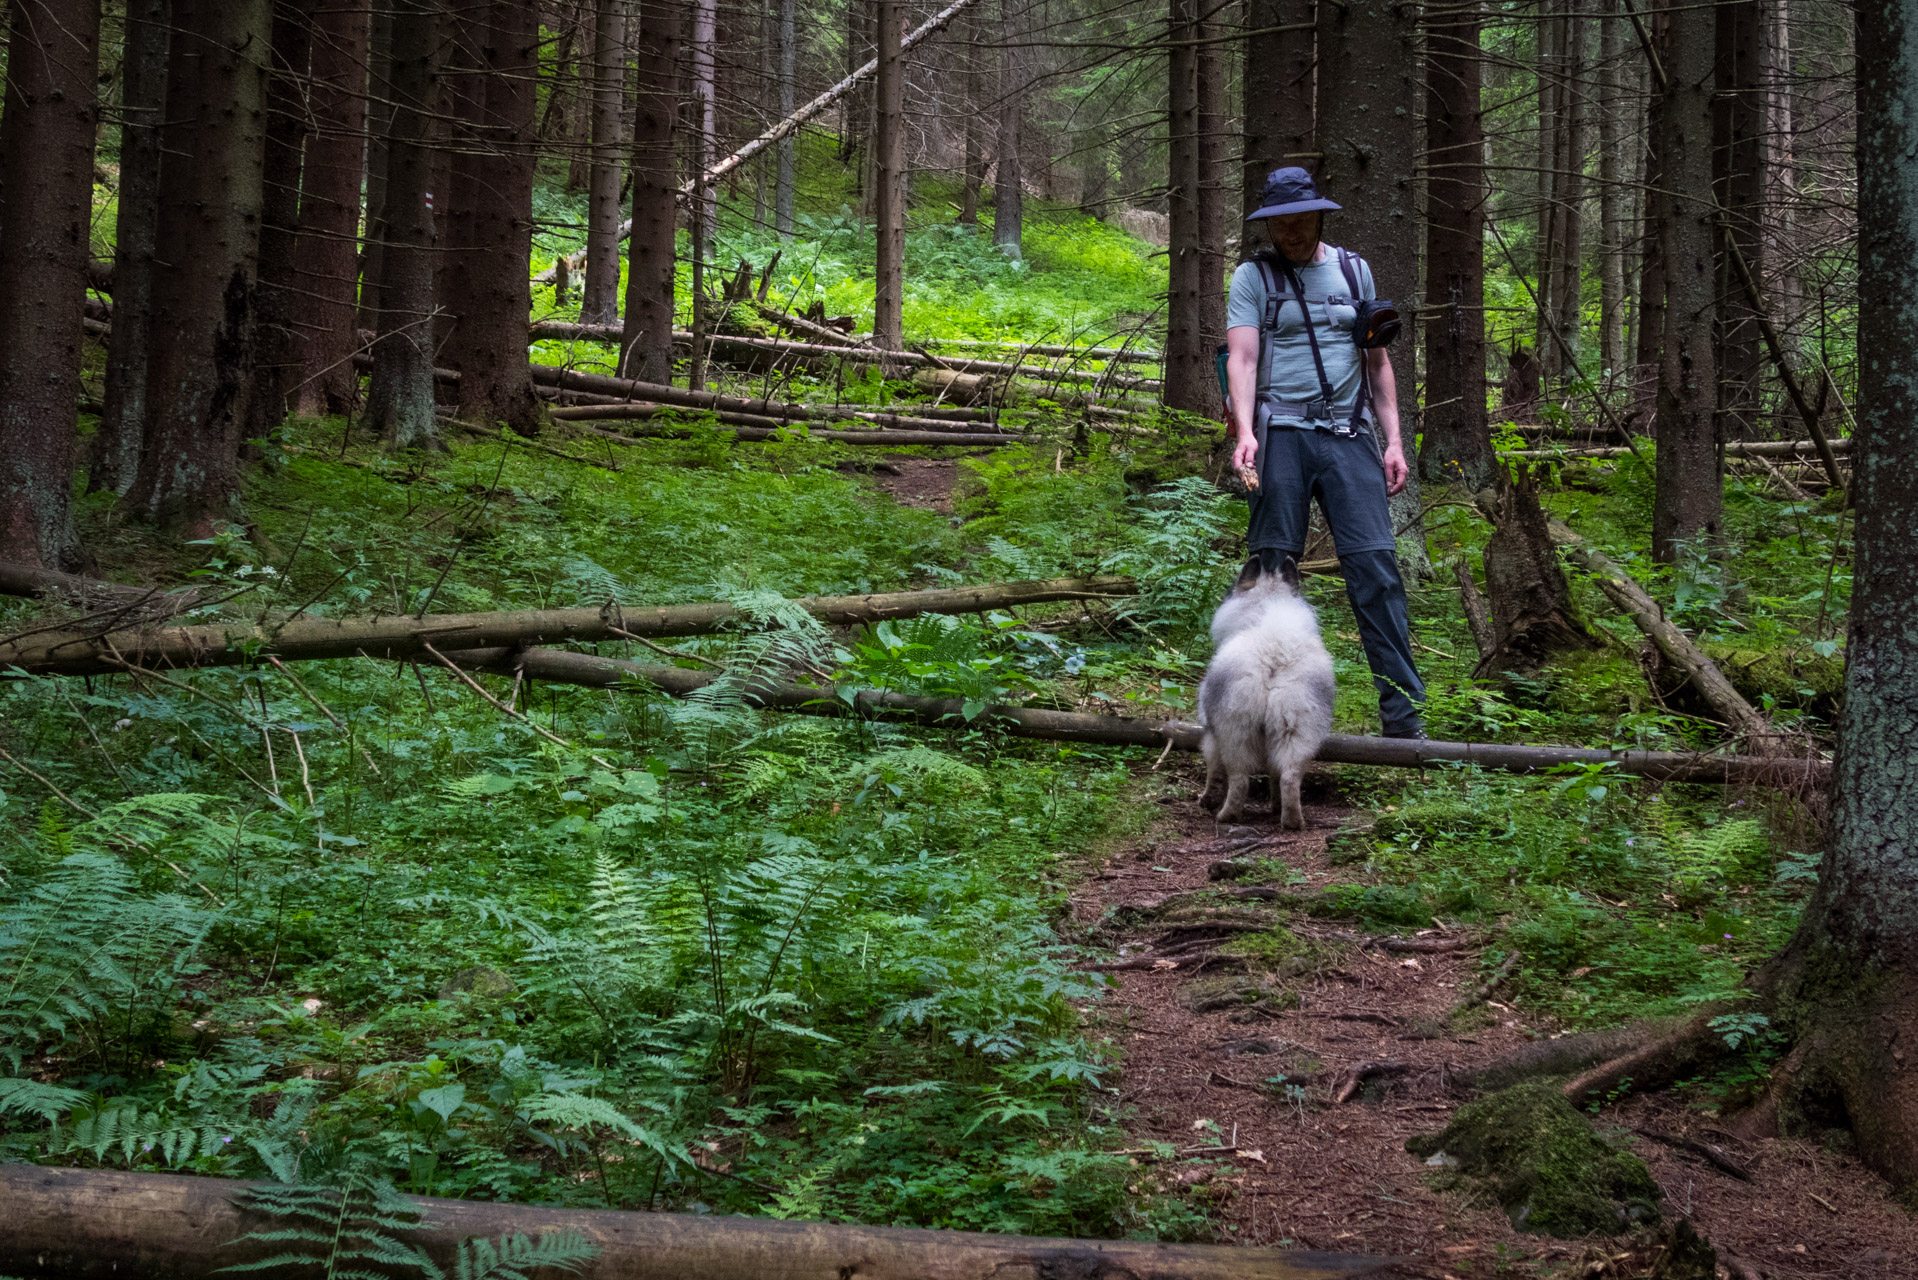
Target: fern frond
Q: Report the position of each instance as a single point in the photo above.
(30, 1097)
(511, 1257)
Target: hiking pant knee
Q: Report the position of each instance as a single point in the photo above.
(1377, 593)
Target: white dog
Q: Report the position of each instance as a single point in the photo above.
(1266, 701)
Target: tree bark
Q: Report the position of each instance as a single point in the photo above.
(1738, 152)
(1190, 383)
(1532, 615)
(277, 360)
(399, 401)
(1370, 143)
(1567, 291)
(1648, 317)
(788, 88)
(705, 199)
(490, 215)
(600, 302)
(212, 185)
(1610, 108)
(1214, 182)
(647, 345)
(1008, 191)
(1550, 77)
(1846, 987)
(1279, 93)
(379, 127)
(324, 259)
(975, 153)
(889, 181)
(85, 650)
(1688, 501)
(122, 430)
(1458, 444)
(46, 173)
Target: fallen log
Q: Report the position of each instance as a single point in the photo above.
(67, 588)
(731, 417)
(93, 651)
(879, 436)
(1623, 591)
(1733, 449)
(78, 1224)
(564, 667)
(1122, 354)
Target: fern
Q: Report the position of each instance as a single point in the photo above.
(31, 1097)
(783, 641)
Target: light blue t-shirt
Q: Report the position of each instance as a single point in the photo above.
(1289, 375)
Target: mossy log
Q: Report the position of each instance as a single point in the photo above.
(77, 1224)
(90, 649)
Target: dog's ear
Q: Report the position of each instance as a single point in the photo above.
(1249, 575)
(1289, 572)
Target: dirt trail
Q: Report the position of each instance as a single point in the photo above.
(1331, 1176)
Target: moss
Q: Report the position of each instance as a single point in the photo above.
(1210, 995)
(1790, 677)
(1548, 1166)
(1351, 843)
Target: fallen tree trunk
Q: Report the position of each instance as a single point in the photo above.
(1122, 354)
(564, 667)
(895, 421)
(90, 651)
(83, 1223)
(1623, 590)
(30, 581)
(1733, 449)
(942, 435)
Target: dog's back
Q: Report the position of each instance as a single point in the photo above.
(1266, 701)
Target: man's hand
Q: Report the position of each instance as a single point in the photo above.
(1396, 472)
(1245, 456)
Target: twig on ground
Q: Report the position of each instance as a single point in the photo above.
(1484, 990)
(1704, 1151)
(1359, 1072)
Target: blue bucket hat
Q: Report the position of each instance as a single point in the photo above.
(1289, 190)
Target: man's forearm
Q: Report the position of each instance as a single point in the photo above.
(1385, 398)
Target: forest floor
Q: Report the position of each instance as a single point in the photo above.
(1311, 1173)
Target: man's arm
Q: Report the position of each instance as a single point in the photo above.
(1385, 408)
(1242, 378)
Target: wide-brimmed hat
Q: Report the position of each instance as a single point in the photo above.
(1289, 190)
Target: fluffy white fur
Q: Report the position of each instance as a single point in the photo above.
(1266, 701)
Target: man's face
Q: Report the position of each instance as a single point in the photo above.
(1296, 235)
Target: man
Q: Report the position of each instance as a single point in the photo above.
(1318, 416)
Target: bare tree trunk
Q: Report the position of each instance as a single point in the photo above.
(1569, 187)
(1458, 446)
(1689, 500)
(489, 217)
(379, 131)
(1780, 169)
(1611, 196)
(46, 172)
(277, 362)
(600, 302)
(788, 87)
(579, 100)
(330, 211)
(973, 81)
(1738, 151)
(1008, 191)
(1279, 79)
(1551, 222)
(116, 454)
(889, 182)
(1213, 184)
(1370, 143)
(1532, 614)
(212, 180)
(1648, 317)
(1190, 383)
(1846, 987)
(399, 400)
(705, 197)
(647, 347)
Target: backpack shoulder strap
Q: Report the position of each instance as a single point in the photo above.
(1349, 264)
(1274, 293)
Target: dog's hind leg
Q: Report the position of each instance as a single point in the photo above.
(1235, 788)
(1209, 748)
(1289, 757)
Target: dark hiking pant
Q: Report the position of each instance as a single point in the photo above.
(1298, 465)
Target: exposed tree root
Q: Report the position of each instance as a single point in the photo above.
(1566, 1054)
(1683, 1052)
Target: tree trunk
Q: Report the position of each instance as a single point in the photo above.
(579, 99)
(1458, 446)
(116, 451)
(490, 215)
(1551, 224)
(277, 360)
(889, 182)
(1369, 138)
(647, 347)
(600, 302)
(1190, 383)
(1532, 614)
(379, 126)
(1213, 180)
(324, 259)
(705, 198)
(46, 173)
(1569, 192)
(1648, 317)
(788, 87)
(1738, 128)
(1610, 108)
(1846, 987)
(1780, 169)
(1279, 83)
(212, 180)
(1688, 502)
(1008, 191)
(974, 103)
(399, 400)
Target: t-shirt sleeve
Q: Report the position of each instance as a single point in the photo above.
(1368, 288)
(1247, 299)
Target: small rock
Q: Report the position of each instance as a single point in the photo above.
(478, 980)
